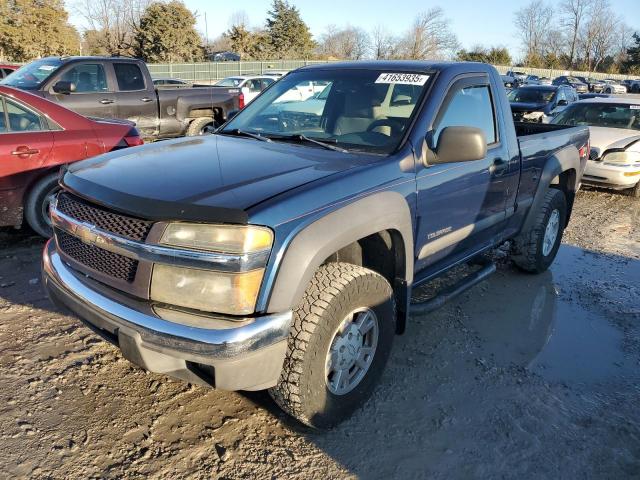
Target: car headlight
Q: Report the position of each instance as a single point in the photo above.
(233, 293)
(621, 158)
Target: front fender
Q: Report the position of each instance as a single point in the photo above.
(315, 242)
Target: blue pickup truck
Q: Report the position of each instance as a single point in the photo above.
(280, 253)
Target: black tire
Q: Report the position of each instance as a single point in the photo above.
(335, 290)
(528, 253)
(634, 191)
(200, 126)
(36, 206)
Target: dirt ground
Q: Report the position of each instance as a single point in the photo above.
(522, 377)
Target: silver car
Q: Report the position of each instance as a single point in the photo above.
(614, 127)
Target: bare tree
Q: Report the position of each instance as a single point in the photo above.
(351, 43)
(239, 18)
(116, 20)
(381, 43)
(574, 14)
(430, 37)
(534, 22)
(599, 35)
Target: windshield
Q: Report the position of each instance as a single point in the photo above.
(364, 110)
(609, 115)
(229, 82)
(33, 74)
(530, 95)
(573, 80)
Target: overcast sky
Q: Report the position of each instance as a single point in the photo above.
(486, 22)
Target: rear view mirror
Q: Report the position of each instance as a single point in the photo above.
(460, 144)
(64, 87)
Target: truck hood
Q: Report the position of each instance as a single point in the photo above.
(212, 178)
(603, 138)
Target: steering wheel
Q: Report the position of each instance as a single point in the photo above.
(386, 122)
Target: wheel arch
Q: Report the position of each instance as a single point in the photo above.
(374, 232)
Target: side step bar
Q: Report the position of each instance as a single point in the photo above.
(453, 291)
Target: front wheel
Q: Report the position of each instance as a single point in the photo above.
(536, 248)
(634, 191)
(36, 206)
(339, 344)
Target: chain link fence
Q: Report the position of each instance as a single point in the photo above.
(207, 72)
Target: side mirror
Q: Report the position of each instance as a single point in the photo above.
(64, 87)
(563, 103)
(460, 144)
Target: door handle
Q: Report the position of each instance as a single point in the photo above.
(498, 166)
(146, 99)
(106, 101)
(25, 151)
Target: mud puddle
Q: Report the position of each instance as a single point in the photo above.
(548, 323)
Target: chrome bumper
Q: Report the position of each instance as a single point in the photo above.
(246, 357)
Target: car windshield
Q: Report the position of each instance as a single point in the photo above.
(352, 109)
(230, 82)
(530, 95)
(609, 115)
(573, 80)
(31, 76)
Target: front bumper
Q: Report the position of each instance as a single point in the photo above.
(244, 357)
(611, 176)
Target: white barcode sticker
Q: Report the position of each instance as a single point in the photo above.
(403, 78)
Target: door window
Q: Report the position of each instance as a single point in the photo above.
(129, 77)
(87, 77)
(469, 107)
(253, 86)
(266, 82)
(3, 121)
(22, 120)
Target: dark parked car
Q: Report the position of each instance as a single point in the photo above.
(281, 252)
(579, 86)
(119, 87)
(36, 138)
(540, 103)
(594, 85)
(224, 57)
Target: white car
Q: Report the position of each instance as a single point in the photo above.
(250, 85)
(536, 80)
(614, 126)
(613, 86)
(170, 82)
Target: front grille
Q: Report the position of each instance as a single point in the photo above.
(103, 261)
(132, 228)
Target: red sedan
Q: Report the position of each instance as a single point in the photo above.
(37, 137)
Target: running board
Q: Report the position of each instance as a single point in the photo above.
(453, 291)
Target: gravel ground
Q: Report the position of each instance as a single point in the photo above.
(522, 377)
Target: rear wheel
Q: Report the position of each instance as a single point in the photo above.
(536, 248)
(201, 126)
(339, 344)
(36, 206)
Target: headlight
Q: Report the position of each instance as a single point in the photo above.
(621, 158)
(218, 238)
(234, 293)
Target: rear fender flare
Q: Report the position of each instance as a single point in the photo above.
(314, 243)
(561, 161)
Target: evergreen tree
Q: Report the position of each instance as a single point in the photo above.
(632, 63)
(167, 34)
(32, 29)
(289, 35)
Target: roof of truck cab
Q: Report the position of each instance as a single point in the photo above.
(622, 100)
(98, 57)
(401, 65)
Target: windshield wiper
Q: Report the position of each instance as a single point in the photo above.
(241, 133)
(299, 137)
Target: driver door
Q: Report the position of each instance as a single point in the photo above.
(94, 94)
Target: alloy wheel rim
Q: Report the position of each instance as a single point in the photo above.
(551, 232)
(351, 351)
